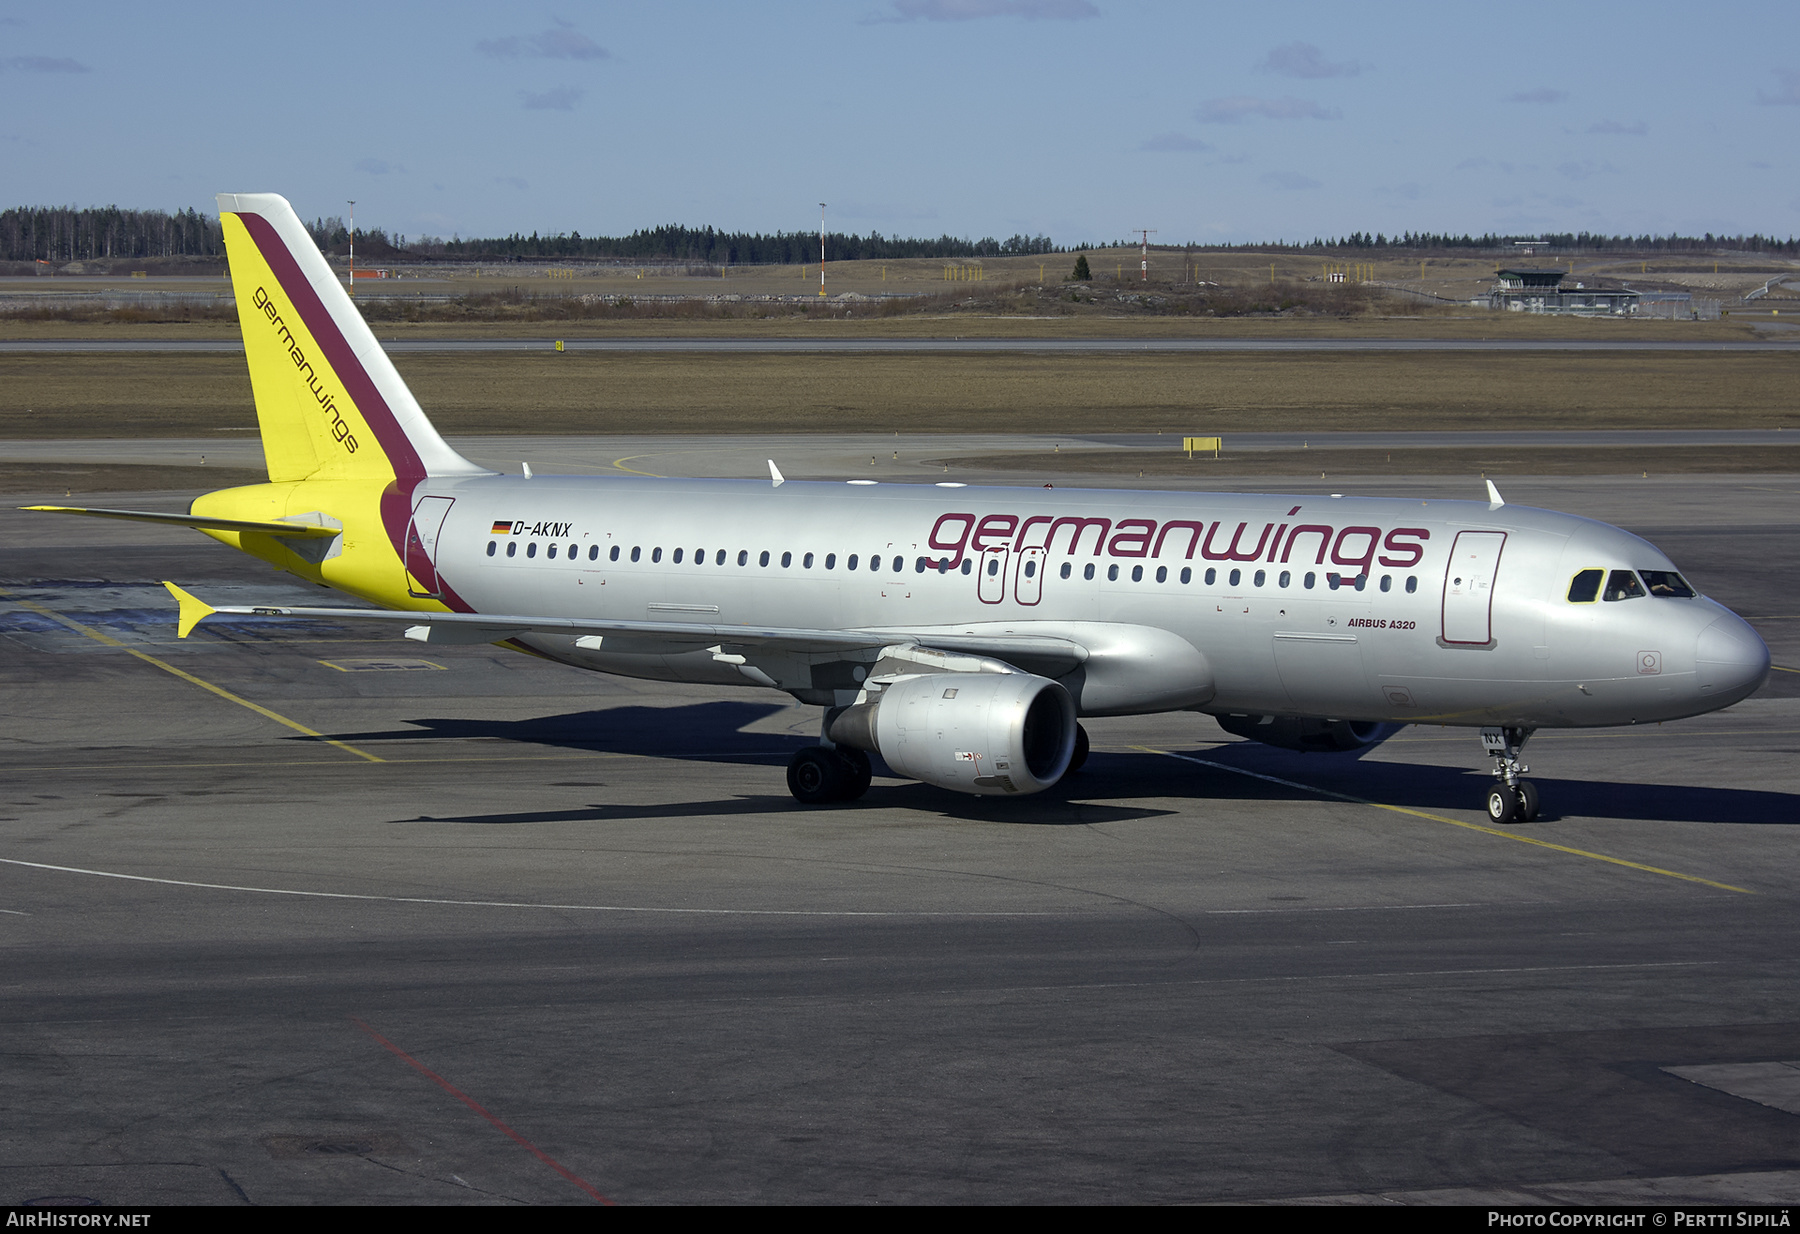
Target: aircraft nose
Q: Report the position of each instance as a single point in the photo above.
(1731, 659)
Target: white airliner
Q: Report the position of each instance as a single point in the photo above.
(959, 632)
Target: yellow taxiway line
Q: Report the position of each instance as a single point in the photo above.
(630, 458)
(165, 666)
(1441, 818)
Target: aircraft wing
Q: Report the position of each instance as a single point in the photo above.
(656, 637)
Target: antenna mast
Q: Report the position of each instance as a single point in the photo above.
(1144, 264)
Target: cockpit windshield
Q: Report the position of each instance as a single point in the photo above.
(1668, 584)
(1622, 585)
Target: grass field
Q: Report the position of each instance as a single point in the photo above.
(150, 395)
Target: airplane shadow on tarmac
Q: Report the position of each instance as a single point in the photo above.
(714, 733)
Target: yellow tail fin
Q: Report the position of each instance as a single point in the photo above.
(330, 403)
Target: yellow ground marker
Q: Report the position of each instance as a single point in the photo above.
(1441, 818)
(630, 458)
(165, 666)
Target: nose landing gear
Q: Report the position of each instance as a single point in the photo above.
(1512, 800)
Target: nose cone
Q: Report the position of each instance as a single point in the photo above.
(1730, 659)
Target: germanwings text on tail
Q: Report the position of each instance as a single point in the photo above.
(958, 632)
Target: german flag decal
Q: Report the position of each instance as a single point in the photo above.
(502, 527)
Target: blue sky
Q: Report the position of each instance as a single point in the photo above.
(1080, 119)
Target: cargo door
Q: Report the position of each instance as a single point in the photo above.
(421, 546)
(1468, 608)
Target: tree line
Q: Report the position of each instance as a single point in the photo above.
(59, 234)
(64, 233)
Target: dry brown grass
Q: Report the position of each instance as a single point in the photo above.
(150, 395)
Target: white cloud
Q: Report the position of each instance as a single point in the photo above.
(1239, 107)
(1179, 143)
(1789, 94)
(1305, 60)
(562, 42)
(975, 10)
(43, 64)
(558, 98)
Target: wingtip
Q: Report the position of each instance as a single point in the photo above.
(193, 610)
(775, 476)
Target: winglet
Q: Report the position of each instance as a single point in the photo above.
(775, 474)
(1494, 497)
(193, 610)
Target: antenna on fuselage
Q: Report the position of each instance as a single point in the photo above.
(1495, 500)
(527, 467)
(775, 476)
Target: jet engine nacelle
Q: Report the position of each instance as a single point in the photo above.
(991, 734)
(1307, 734)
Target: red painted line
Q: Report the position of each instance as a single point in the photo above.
(469, 1101)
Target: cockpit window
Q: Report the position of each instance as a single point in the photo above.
(1584, 588)
(1668, 584)
(1623, 585)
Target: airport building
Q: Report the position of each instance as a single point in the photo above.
(1541, 291)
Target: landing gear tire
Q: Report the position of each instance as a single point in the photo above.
(1079, 759)
(859, 773)
(1528, 802)
(817, 776)
(1502, 804)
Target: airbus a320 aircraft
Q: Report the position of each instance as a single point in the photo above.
(959, 632)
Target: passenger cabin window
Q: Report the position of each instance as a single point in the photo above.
(1412, 583)
(635, 552)
(531, 549)
(1584, 588)
(1667, 584)
(490, 548)
(743, 556)
(512, 547)
(1087, 571)
(787, 560)
(1623, 585)
(614, 555)
(1187, 575)
(1067, 569)
(656, 554)
(594, 552)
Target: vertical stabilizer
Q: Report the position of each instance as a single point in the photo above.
(330, 403)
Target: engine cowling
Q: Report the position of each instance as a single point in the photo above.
(991, 734)
(1308, 734)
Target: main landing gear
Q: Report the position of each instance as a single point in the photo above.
(1512, 800)
(820, 775)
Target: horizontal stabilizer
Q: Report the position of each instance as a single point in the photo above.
(287, 531)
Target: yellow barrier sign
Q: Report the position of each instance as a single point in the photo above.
(559, 344)
(1191, 444)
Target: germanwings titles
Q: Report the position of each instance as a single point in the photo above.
(958, 632)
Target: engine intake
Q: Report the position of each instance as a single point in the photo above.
(1308, 734)
(991, 734)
